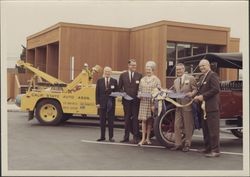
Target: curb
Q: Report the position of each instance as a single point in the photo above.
(14, 110)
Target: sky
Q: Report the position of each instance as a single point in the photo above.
(20, 19)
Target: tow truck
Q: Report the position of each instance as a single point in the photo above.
(53, 101)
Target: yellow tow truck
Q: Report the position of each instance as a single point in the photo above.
(53, 101)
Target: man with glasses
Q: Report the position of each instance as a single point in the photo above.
(208, 96)
(184, 121)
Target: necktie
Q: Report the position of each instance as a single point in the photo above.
(180, 82)
(131, 76)
(107, 82)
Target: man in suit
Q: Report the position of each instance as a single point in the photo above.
(184, 121)
(129, 83)
(208, 95)
(105, 103)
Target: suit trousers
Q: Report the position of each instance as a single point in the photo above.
(211, 131)
(104, 116)
(184, 123)
(131, 110)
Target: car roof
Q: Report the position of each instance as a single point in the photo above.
(223, 60)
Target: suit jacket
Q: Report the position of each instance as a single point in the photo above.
(131, 88)
(188, 85)
(102, 94)
(210, 89)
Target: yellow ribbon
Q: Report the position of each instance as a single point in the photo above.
(178, 104)
(164, 97)
(204, 110)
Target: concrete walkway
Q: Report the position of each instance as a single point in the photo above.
(11, 107)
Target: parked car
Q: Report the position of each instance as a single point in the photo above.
(230, 97)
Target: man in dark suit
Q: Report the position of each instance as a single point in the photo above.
(105, 103)
(208, 95)
(129, 83)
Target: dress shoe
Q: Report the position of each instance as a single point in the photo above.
(101, 139)
(205, 151)
(111, 140)
(185, 148)
(124, 141)
(213, 154)
(176, 148)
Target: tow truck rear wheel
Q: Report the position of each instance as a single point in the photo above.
(49, 112)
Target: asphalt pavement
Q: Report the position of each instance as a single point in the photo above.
(73, 146)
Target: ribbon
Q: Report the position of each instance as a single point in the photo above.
(161, 95)
(203, 109)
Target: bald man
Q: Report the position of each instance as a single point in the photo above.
(105, 103)
(208, 96)
(184, 121)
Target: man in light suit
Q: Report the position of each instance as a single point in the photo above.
(105, 103)
(208, 96)
(184, 121)
(129, 83)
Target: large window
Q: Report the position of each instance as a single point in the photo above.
(198, 49)
(183, 50)
(179, 50)
(214, 48)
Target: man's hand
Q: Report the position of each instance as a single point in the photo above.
(98, 106)
(200, 98)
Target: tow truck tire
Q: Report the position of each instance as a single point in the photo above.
(49, 112)
(164, 127)
(237, 132)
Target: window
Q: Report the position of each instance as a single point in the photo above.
(183, 50)
(179, 50)
(198, 49)
(171, 59)
(214, 48)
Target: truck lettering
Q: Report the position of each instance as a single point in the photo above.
(69, 96)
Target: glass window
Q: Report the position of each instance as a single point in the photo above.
(198, 49)
(214, 48)
(183, 50)
(171, 59)
(179, 50)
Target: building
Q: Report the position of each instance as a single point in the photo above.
(62, 49)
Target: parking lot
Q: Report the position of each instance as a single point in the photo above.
(73, 146)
